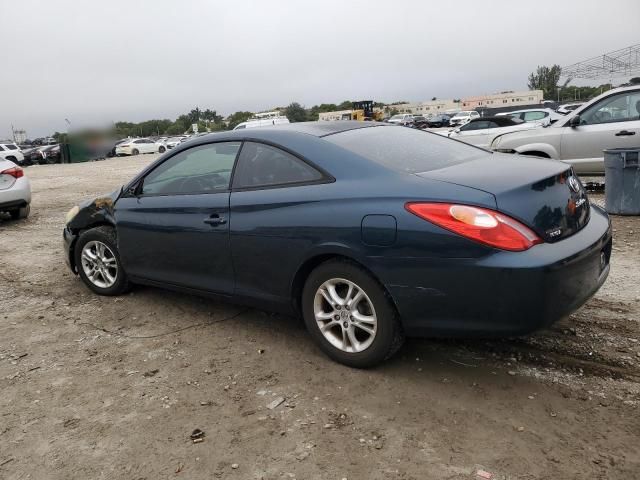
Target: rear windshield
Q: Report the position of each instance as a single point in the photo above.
(10, 146)
(405, 149)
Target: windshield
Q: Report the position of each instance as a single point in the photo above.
(405, 149)
(461, 114)
(397, 117)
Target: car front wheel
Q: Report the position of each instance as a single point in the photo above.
(350, 315)
(98, 262)
(135, 151)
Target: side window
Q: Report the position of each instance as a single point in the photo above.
(262, 165)
(139, 141)
(201, 169)
(623, 107)
(480, 125)
(532, 116)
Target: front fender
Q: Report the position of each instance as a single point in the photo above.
(539, 147)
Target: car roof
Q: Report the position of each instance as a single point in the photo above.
(319, 128)
(502, 120)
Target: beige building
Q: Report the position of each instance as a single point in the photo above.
(503, 99)
(337, 115)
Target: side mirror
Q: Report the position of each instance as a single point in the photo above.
(575, 121)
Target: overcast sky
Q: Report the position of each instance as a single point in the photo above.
(96, 62)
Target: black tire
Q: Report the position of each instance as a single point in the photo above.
(389, 336)
(107, 236)
(20, 213)
(135, 151)
(162, 149)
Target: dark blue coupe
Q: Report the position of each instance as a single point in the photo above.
(370, 231)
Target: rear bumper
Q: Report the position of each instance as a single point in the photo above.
(503, 293)
(18, 195)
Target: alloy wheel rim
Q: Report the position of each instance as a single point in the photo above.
(345, 315)
(99, 264)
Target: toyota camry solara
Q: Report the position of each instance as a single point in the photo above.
(369, 231)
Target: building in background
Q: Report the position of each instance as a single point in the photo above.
(503, 99)
(507, 100)
(19, 136)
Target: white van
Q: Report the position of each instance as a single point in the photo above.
(262, 122)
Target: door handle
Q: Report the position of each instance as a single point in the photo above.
(215, 219)
(624, 133)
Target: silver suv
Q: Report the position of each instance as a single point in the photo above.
(611, 120)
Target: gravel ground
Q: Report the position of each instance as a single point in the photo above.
(96, 387)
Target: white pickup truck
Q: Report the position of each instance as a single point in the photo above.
(611, 120)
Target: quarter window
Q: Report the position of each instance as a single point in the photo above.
(532, 116)
(201, 169)
(262, 165)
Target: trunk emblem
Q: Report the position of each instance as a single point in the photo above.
(574, 184)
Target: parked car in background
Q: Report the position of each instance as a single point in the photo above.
(482, 131)
(543, 116)
(32, 156)
(401, 119)
(15, 190)
(463, 117)
(172, 142)
(10, 151)
(134, 146)
(437, 121)
(262, 122)
(568, 107)
(51, 154)
(419, 121)
(611, 120)
(367, 230)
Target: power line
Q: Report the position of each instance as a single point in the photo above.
(619, 63)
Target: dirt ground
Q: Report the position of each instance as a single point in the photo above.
(112, 388)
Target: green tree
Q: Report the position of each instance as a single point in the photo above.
(176, 128)
(346, 105)
(238, 117)
(295, 113)
(545, 79)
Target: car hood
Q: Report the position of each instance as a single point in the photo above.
(528, 134)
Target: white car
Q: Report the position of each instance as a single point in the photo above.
(401, 119)
(543, 116)
(568, 107)
(611, 120)
(262, 122)
(135, 146)
(15, 190)
(10, 151)
(481, 131)
(172, 142)
(463, 117)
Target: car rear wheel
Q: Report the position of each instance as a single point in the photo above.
(162, 150)
(20, 213)
(135, 151)
(98, 262)
(350, 316)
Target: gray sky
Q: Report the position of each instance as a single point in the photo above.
(95, 62)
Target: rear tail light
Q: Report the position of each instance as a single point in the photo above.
(15, 172)
(479, 224)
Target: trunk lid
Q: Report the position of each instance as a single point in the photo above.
(543, 194)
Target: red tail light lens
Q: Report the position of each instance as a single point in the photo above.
(479, 224)
(15, 172)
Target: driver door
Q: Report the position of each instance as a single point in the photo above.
(174, 229)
